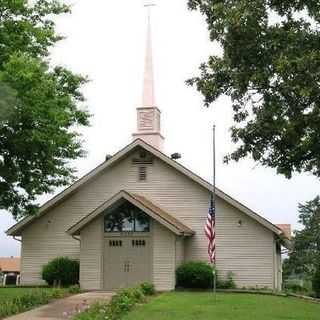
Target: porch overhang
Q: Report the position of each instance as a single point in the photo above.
(143, 204)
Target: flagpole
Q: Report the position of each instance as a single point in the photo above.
(214, 208)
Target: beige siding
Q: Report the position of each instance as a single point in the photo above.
(91, 253)
(179, 251)
(246, 250)
(163, 258)
(42, 241)
(278, 267)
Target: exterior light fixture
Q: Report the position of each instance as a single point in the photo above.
(176, 156)
(108, 157)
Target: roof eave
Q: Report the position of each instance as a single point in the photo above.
(17, 228)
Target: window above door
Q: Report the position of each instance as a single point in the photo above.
(126, 218)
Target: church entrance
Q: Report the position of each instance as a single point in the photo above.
(127, 261)
(127, 247)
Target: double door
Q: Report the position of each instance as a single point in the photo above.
(127, 261)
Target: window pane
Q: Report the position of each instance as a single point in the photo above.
(142, 222)
(128, 224)
(113, 223)
(127, 218)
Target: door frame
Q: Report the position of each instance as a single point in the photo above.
(110, 235)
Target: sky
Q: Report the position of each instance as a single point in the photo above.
(105, 40)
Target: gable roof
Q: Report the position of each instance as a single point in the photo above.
(16, 229)
(140, 202)
(10, 264)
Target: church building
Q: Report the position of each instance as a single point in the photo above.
(141, 214)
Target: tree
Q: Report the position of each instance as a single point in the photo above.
(40, 107)
(305, 257)
(316, 282)
(270, 67)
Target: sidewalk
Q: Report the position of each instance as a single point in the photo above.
(63, 308)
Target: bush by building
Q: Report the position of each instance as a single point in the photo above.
(148, 288)
(194, 275)
(199, 275)
(61, 271)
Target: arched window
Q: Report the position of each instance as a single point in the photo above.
(126, 218)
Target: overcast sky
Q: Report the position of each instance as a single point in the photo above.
(106, 41)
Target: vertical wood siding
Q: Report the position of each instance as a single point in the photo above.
(247, 250)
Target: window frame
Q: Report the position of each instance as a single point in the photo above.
(127, 209)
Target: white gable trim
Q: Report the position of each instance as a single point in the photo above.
(15, 230)
(123, 195)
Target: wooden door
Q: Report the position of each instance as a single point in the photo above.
(115, 275)
(139, 260)
(127, 261)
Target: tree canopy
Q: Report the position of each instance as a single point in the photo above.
(305, 256)
(270, 67)
(40, 106)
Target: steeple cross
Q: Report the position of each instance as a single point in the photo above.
(149, 4)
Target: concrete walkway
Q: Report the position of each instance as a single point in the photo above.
(63, 308)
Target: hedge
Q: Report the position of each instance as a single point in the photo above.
(199, 275)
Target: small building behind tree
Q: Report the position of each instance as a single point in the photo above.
(9, 271)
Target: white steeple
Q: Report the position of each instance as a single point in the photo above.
(149, 115)
(148, 98)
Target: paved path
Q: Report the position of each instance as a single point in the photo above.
(63, 308)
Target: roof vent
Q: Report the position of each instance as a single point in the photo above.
(176, 156)
(142, 173)
(108, 157)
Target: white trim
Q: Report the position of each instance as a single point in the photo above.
(74, 230)
(14, 230)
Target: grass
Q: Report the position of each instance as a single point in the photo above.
(9, 293)
(17, 300)
(228, 306)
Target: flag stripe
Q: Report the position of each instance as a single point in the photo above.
(209, 230)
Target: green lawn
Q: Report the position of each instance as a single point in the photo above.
(9, 293)
(202, 306)
(16, 300)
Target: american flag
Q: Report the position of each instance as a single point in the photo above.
(210, 232)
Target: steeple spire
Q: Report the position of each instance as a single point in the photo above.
(148, 115)
(148, 98)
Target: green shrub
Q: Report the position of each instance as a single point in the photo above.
(119, 305)
(74, 289)
(228, 283)
(295, 287)
(61, 271)
(316, 282)
(194, 275)
(148, 288)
